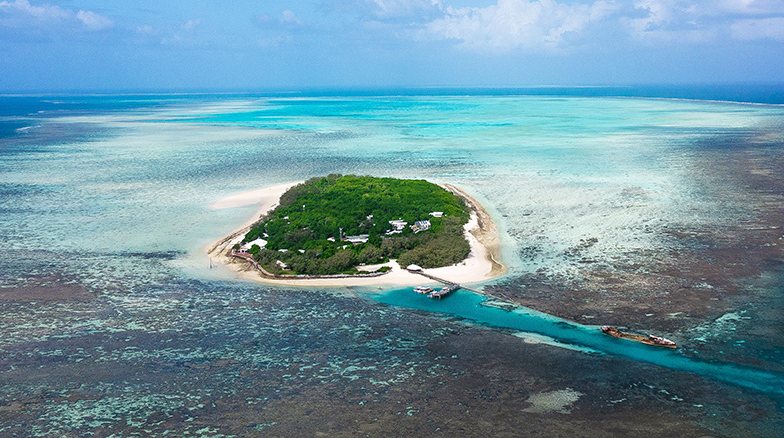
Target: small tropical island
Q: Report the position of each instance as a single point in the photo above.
(362, 227)
(333, 224)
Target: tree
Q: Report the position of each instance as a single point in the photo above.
(370, 254)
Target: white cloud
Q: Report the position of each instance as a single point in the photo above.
(537, 25)
(145, 29)
(184, 36)
(752, 7)
(401, 8)
(519, 24)
(191, 24)
(703, 21)
(657, 14)
(93, 21)
(289, 17)
(44, 12)
(668, 21)
(762, 28)
(23, 14)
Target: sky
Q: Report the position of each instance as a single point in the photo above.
(265, 44)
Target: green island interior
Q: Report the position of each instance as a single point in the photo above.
(333, 224)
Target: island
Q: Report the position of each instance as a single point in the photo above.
(349, 227)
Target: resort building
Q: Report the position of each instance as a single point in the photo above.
(437, 213)
(356, 240)
(260, 242)
(281, 265)
(420, 226)
(397, 227)
(398, 224)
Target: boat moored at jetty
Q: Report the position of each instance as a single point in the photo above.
(444, 291)
(424, 290)
(656, 341)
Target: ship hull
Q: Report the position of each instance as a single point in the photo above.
(615, 333)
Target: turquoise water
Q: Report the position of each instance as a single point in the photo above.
(468, 305)
(105, 212)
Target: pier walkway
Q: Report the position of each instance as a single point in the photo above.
(449, 284)
(494, 295)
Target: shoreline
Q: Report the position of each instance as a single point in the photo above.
(483, 263)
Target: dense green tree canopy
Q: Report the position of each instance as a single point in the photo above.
(301, 230)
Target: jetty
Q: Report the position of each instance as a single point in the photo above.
(444, 291)
(449, 286)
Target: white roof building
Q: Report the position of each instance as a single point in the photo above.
(361, 238)
(437, 213)
(398, 224)
(420, 226)
(260, 242)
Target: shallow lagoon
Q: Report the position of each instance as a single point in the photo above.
(106, 289)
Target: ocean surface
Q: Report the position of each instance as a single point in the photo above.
(113, 322)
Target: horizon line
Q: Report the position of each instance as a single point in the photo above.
(307, 88)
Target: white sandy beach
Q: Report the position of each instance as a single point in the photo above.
(482, 263)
